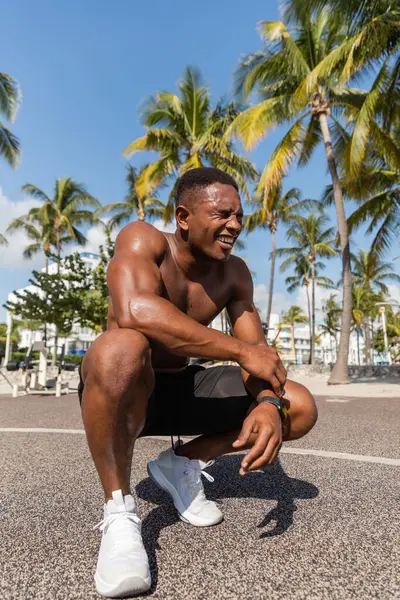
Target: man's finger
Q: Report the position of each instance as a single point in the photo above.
(268, 457)
(245, 433)
(281, 373)
(258, 448)
(277, 386)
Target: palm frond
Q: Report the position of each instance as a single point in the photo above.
(281, 159)
(9, 146)
(10, 96)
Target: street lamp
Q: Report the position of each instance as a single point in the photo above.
(382, 310)
(8, 338)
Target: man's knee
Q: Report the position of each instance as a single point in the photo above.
(302, 410)
(118, 355)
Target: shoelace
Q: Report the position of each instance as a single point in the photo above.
(193, 476)
(122, 543)
(107, 521)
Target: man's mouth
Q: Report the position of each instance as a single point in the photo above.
(226, 241)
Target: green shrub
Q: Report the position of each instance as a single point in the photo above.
(21, 355)
(75, 358)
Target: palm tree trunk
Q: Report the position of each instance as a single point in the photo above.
(141, 215)
(358, 347)
(367, 332)
(340, 372)
(271, 279)
(293, 343)
(312, 312)
(55, 345)
(46, 266)
(309, 320)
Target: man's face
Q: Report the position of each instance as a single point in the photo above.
(216, 220)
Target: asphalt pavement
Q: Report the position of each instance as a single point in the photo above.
(311, 527)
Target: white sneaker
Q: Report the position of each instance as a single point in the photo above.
(123, 566)
(181, 478)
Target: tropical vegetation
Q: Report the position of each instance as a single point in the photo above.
(10, 97)
(327, 76)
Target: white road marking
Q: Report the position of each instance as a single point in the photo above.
(41, 430)
(380, 460)
(337, 400)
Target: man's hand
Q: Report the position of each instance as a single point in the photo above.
(265, 421)
(264, 362)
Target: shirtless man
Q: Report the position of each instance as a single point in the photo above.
(165, 289)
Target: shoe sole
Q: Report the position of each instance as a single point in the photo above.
(162, 482)
(131, 586)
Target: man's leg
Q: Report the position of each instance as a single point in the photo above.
(118, 381)
(302, 416)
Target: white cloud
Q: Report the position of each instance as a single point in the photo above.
(96, 236)
(280, 300)
(394, 293)
(11, 255)
(321, 294)
(169, 228)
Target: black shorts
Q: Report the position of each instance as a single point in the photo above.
(195, 401)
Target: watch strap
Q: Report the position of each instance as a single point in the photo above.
(280, 405)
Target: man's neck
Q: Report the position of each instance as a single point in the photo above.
(192, 264)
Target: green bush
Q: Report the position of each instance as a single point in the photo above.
(75, 358)
(21, 355)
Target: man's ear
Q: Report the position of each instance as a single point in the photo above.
(182, 214)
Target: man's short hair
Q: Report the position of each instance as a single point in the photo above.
(200, 178)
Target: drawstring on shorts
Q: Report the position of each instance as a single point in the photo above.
(172, 441)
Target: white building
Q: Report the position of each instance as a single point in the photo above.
(281, 336)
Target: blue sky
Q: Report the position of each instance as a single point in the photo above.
(85, 68)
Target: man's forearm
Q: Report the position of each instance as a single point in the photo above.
(161, 321)
(257, 387)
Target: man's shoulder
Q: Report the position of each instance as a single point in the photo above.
(239, 276)
(139, 235)
(237, 267)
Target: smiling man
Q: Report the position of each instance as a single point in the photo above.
(165, 289)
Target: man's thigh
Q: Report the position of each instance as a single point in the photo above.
(197, 401)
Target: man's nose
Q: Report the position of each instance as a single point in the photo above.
(234, 225)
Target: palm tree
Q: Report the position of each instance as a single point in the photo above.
(302, 279)
(56, 221)
(279, 207)
(330, 326)
(41, 234)
(3, 240)
(64, 212)
(376, 190)
(143, 207)
(186, 132)
(311, 241)
(291, 317)
(10, 96)
(281, 73)
(371, 274)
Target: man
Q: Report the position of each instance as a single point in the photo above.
(165, 289)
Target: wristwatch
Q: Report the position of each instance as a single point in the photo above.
(280, 405)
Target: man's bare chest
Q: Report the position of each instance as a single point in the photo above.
(201, 299)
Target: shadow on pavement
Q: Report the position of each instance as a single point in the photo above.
(272, 483)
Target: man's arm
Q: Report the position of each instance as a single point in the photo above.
(246, 325)
(135, 285)
(264, 422)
